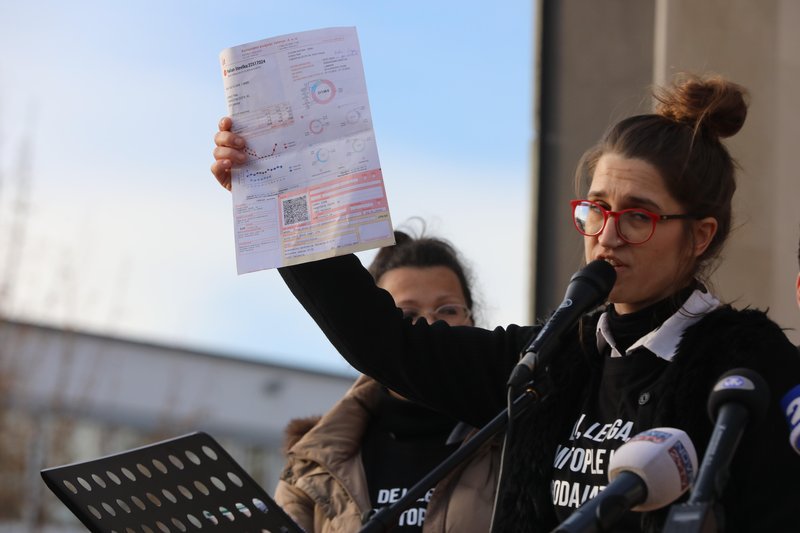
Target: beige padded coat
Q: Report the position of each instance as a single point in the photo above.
(324, 488)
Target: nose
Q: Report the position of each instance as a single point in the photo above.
(609, 237)
(429, 316)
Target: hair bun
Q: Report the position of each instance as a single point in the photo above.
(711, 103)
(401, 237)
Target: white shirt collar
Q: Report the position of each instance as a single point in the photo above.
(662, 341)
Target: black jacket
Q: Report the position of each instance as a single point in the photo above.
(462, 371)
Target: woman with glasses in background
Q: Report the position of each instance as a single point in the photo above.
(655, 202)
(374, 444)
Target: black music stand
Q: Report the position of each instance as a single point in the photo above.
(188, 483)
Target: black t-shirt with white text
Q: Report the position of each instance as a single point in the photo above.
(609, 418)
(401, 445)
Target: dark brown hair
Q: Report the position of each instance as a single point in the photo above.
(421, 252)
(682, 140)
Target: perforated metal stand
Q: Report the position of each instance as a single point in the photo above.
(189, 483)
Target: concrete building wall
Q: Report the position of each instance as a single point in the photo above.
(596, 57)
(756, 44)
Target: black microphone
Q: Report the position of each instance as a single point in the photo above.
(648, 472)
(587, 289)
(740, 395)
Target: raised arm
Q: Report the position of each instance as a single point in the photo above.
(458, 370)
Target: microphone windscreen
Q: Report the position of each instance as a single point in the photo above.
(664, 458)
(742, 386)
(790, 403)
(598, 273)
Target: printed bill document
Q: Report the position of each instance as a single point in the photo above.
(312, 187)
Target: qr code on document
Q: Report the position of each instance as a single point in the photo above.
(295, 210)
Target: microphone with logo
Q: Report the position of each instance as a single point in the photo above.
(790, 403)
(739, 396)
(588, 288)
(648, 472)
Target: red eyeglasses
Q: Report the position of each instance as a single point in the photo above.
(634, 226)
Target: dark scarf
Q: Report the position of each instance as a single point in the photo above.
(627, 329)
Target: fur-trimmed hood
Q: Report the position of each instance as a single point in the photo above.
(296, 429)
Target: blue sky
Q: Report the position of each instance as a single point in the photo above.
(127, 233)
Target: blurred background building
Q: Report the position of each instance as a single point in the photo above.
(70, 396)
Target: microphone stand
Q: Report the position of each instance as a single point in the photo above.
(388, 516)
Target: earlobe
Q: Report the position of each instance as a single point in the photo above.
(704, 231)
(798, 290)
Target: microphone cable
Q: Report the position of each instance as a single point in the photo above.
(503, 451)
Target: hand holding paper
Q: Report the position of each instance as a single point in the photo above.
(229, 149)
